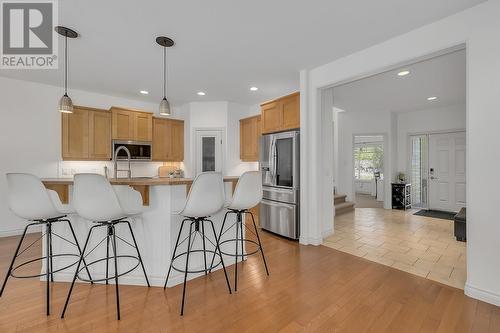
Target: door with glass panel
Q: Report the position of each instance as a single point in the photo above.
(208, 151)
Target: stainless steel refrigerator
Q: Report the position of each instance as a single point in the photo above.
(280, 165)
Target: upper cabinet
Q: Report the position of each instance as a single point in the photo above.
(131, 125)
(168, 140)
(250, 132)
(281, 114)
(86, 134)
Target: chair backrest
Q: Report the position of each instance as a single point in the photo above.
(206, 196)
(248, 192)
(28, 198)
(94, 198)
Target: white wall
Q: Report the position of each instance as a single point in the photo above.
(362, 123)
(221, 115)
(479, 28)
(426, 121)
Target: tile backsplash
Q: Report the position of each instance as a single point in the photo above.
(67, 169)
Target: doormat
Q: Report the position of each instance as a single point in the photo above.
(436, 214)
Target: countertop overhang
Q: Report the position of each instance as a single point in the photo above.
(140, 184)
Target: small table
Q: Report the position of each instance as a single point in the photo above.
(401, 196)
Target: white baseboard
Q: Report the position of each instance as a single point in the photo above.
(17, 232)
(310, 240)
(482, 295)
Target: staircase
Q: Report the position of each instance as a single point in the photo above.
(342, 206)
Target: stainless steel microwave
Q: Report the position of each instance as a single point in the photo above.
(139, 151)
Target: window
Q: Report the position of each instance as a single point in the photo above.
(368, 160)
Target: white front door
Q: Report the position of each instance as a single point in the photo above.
(447, 171)
(208, 150)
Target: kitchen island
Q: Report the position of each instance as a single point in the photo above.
(155, 229)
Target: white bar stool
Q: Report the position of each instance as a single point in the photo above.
(95, 200)
(29, 199)
(205, 198)
(248, 194)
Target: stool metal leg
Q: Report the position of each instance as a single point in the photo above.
(14, 257)
(187, 267)
(236, 256)
(107, 254)
(79, 249)
(77, 269)
(204, 247)
(51, 255)
(47, 266)
(116, 273)
(241, 235)
(138, 253)
(260, 244)
(220, 253)
(175, 250)
(217, 239)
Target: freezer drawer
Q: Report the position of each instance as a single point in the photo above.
(288, 195)
(280, 218)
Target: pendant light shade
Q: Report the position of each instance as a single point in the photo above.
(164, 104)
(65, 103)
(165, 107)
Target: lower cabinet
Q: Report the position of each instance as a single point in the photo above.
(168, 140)
(86, 134)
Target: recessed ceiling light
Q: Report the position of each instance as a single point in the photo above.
(201, 93)
(144, 92)
(254, 88)
(432, 98)
(403, 73)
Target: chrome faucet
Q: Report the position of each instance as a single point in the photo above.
(129, 171)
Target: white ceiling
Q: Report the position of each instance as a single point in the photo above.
(442, 77)
(223, 46)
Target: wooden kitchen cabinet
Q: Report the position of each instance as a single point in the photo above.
(86, 134)
(131, 125)
(250, 132)
(100, 135)
(281, 114)
(168, 140)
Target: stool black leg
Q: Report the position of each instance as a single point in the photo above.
(187, 268)
(238, 217)
(260, 244)
(107, 254)
(14, 258)
(204, 247)
(138, 253)
(175, 249)
(220, 253)
(47, 266)
(241, 235)
(79, 249)
(76, 272)
(51, 254)
(217, 239)
(116, 273)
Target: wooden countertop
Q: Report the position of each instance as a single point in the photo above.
(139, 181)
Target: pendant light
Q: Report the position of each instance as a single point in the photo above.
(65, 103)
(164, 104)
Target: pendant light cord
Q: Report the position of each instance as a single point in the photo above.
(66, 64)
(164, 72)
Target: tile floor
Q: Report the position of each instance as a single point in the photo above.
(419, 245)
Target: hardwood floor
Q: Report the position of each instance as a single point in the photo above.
(310, 289)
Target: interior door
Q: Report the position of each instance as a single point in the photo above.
(208, 151)
(447, 181)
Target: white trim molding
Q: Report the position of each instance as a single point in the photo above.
(482, 295)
